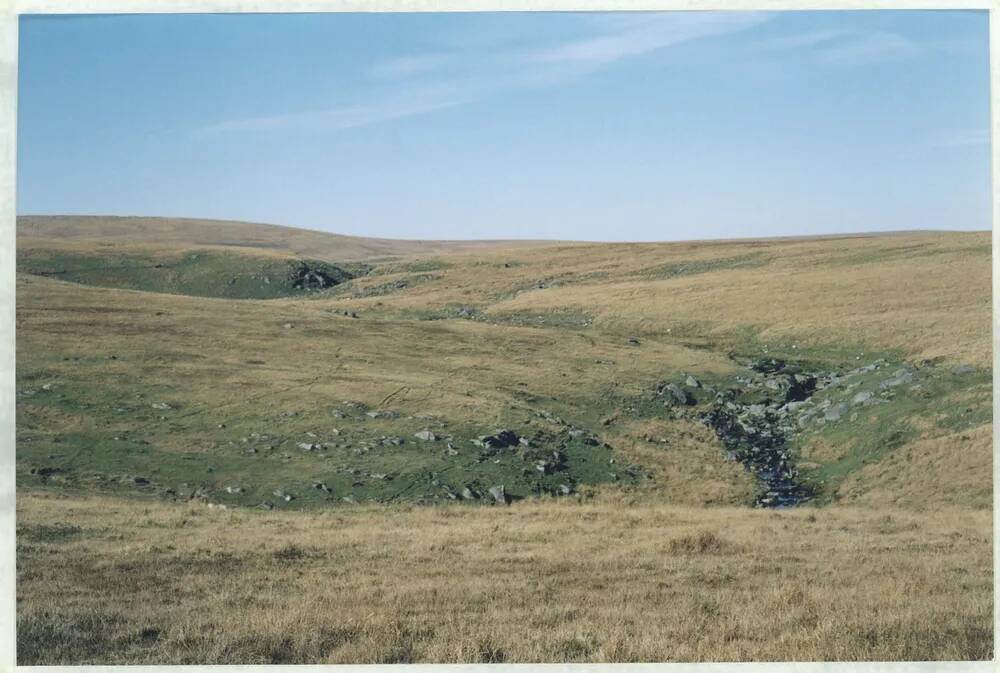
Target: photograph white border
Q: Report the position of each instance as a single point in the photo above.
(10, 10)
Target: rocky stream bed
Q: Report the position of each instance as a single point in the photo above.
(758, 416)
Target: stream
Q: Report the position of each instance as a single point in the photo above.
(754, 421)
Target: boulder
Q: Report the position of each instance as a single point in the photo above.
(679, 395)
(862, 397)
(499, 495)
(899, 377)
(835, 412)
(426, 436)
(500, 440)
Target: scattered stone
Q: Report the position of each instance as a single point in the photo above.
(862, 397)
(501, 440)
(288, 325)
(679, 395)
(835, 412)
(499, 495)
(382, 413)
(899, 377)
(633, 341)
(692, 382)
(426, 436)
(163, 406)
(957, 370)
(469, 494)
(234, 490)
(266, 505)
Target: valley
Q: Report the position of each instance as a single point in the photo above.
(508, 404)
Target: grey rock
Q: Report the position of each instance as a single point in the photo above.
(426, 435)
(679, 395)
(899, 377)
(862, 397)
(469, 494)
(835, 412)
(692, 382)
(957, 370)
(501, 439)
(499, 495)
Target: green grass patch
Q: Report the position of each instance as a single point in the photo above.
(200, 273)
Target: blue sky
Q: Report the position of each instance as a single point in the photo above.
(649, 126)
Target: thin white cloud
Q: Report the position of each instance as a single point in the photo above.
(800, 41)
(843, 47)
(423, 83)
(413, 101)
(407, 66)
(865, 48)
(332, 119)
(964, 138)
(634, 38)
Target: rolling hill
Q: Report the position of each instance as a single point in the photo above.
(196, 374)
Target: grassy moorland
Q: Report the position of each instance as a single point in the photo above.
(270, 466)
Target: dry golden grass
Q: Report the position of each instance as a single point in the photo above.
(912, 477)
(185, 233)
(900, 569)
(107, 581)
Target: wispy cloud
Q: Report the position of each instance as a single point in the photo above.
(641, 37)
(407, 66)
(865, 48)
(844, 47)
(336, 118)
(964, 138)
(423, 83)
